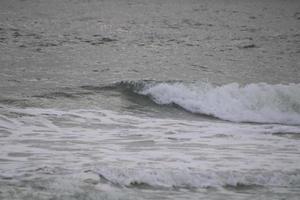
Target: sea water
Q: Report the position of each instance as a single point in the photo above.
(149, 100)
(229, 143)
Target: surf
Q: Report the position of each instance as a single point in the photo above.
(256, 102)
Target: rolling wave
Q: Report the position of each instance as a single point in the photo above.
(186, 179)
(259, 102)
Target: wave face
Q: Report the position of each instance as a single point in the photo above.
(261, 103)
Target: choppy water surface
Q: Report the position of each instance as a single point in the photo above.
(149, 100)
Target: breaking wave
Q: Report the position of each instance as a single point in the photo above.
(186, 179)
(259, 102)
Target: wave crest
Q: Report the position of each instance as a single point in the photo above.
(261, 102)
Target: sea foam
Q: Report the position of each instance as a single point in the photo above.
(187, 179)
(261, 102)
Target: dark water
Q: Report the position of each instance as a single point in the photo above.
(149, 99)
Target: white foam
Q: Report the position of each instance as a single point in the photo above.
(262, 103)
(140, 151)
(172, 178)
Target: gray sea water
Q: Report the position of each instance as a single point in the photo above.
(136, 99)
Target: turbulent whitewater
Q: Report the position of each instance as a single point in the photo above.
(259, 102)
(143, 150)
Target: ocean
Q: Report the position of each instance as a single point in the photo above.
(149, 100)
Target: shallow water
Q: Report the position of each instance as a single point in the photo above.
(149, 100)
(141, 152)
